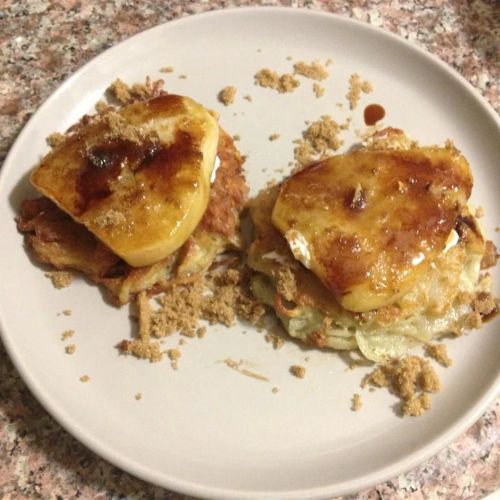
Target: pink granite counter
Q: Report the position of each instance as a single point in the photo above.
(42, 42)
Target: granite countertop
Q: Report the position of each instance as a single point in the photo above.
(42, 42)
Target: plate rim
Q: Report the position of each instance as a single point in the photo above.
(188, 487)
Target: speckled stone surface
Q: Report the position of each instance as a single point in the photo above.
(41, 43)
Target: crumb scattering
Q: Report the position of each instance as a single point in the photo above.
(268, 78)
(60, 279)
(411, 378)
(314, 70)
(439, 353)
(84, 378)
(357, 403)
(174, 354)
(274, 137)
(356, 87)
(320, 139)
(248, 98)
(227, 95)
(167, 69)
(275, 390)
(490, 256)
(127, 94)
(138, 396)
(298, 371)
(67, 312)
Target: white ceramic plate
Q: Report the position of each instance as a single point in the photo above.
(206, 430)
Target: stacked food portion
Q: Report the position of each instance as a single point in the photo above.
(375, 249)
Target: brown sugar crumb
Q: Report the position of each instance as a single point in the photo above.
(484, 304)
(142, 347)
(126, 94)
(248, 98)
(320, 139)
(167, 69)
(70, 349)
(84, 378)
(268, 78)
(67, 334)
(227, 95)
(318, 90)
(411, 379)
(439, 353)
(315, 70)
(357, 403)
(200, 332)
(110, 218)
(275, 340)
(174, 354)
(298, 371)
(274, 137)
(490, 256)
(138, 396)
(356, 87)
(60, 279)
(285, 283)
(55, 139)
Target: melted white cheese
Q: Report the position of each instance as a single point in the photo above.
(299, 247)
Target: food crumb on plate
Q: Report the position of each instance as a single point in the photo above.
(439, 353)
(357, 402)
(298, 371)
(70, 349)
(84, 378)
(67, 334)
(60, 279)
(227, 95)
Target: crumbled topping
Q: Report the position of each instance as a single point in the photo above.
(268, 78)
(439, 353)
(357, 403)
(320, 139)
(126, 94)
(411, 379)
(67, 334)
(356, 87)
(110, 218)
(276, 341)
(174, 354)
(236, 137)
(318, 90)
(298, 371)
(55, 139)
(227, 95)
(314, 70)
(285, 283)
(70, 349)
(60, 279)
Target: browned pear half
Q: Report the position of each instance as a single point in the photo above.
(369, 223)
(137, 178)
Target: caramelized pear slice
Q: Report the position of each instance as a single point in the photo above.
(369, 223)
(137, 178)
